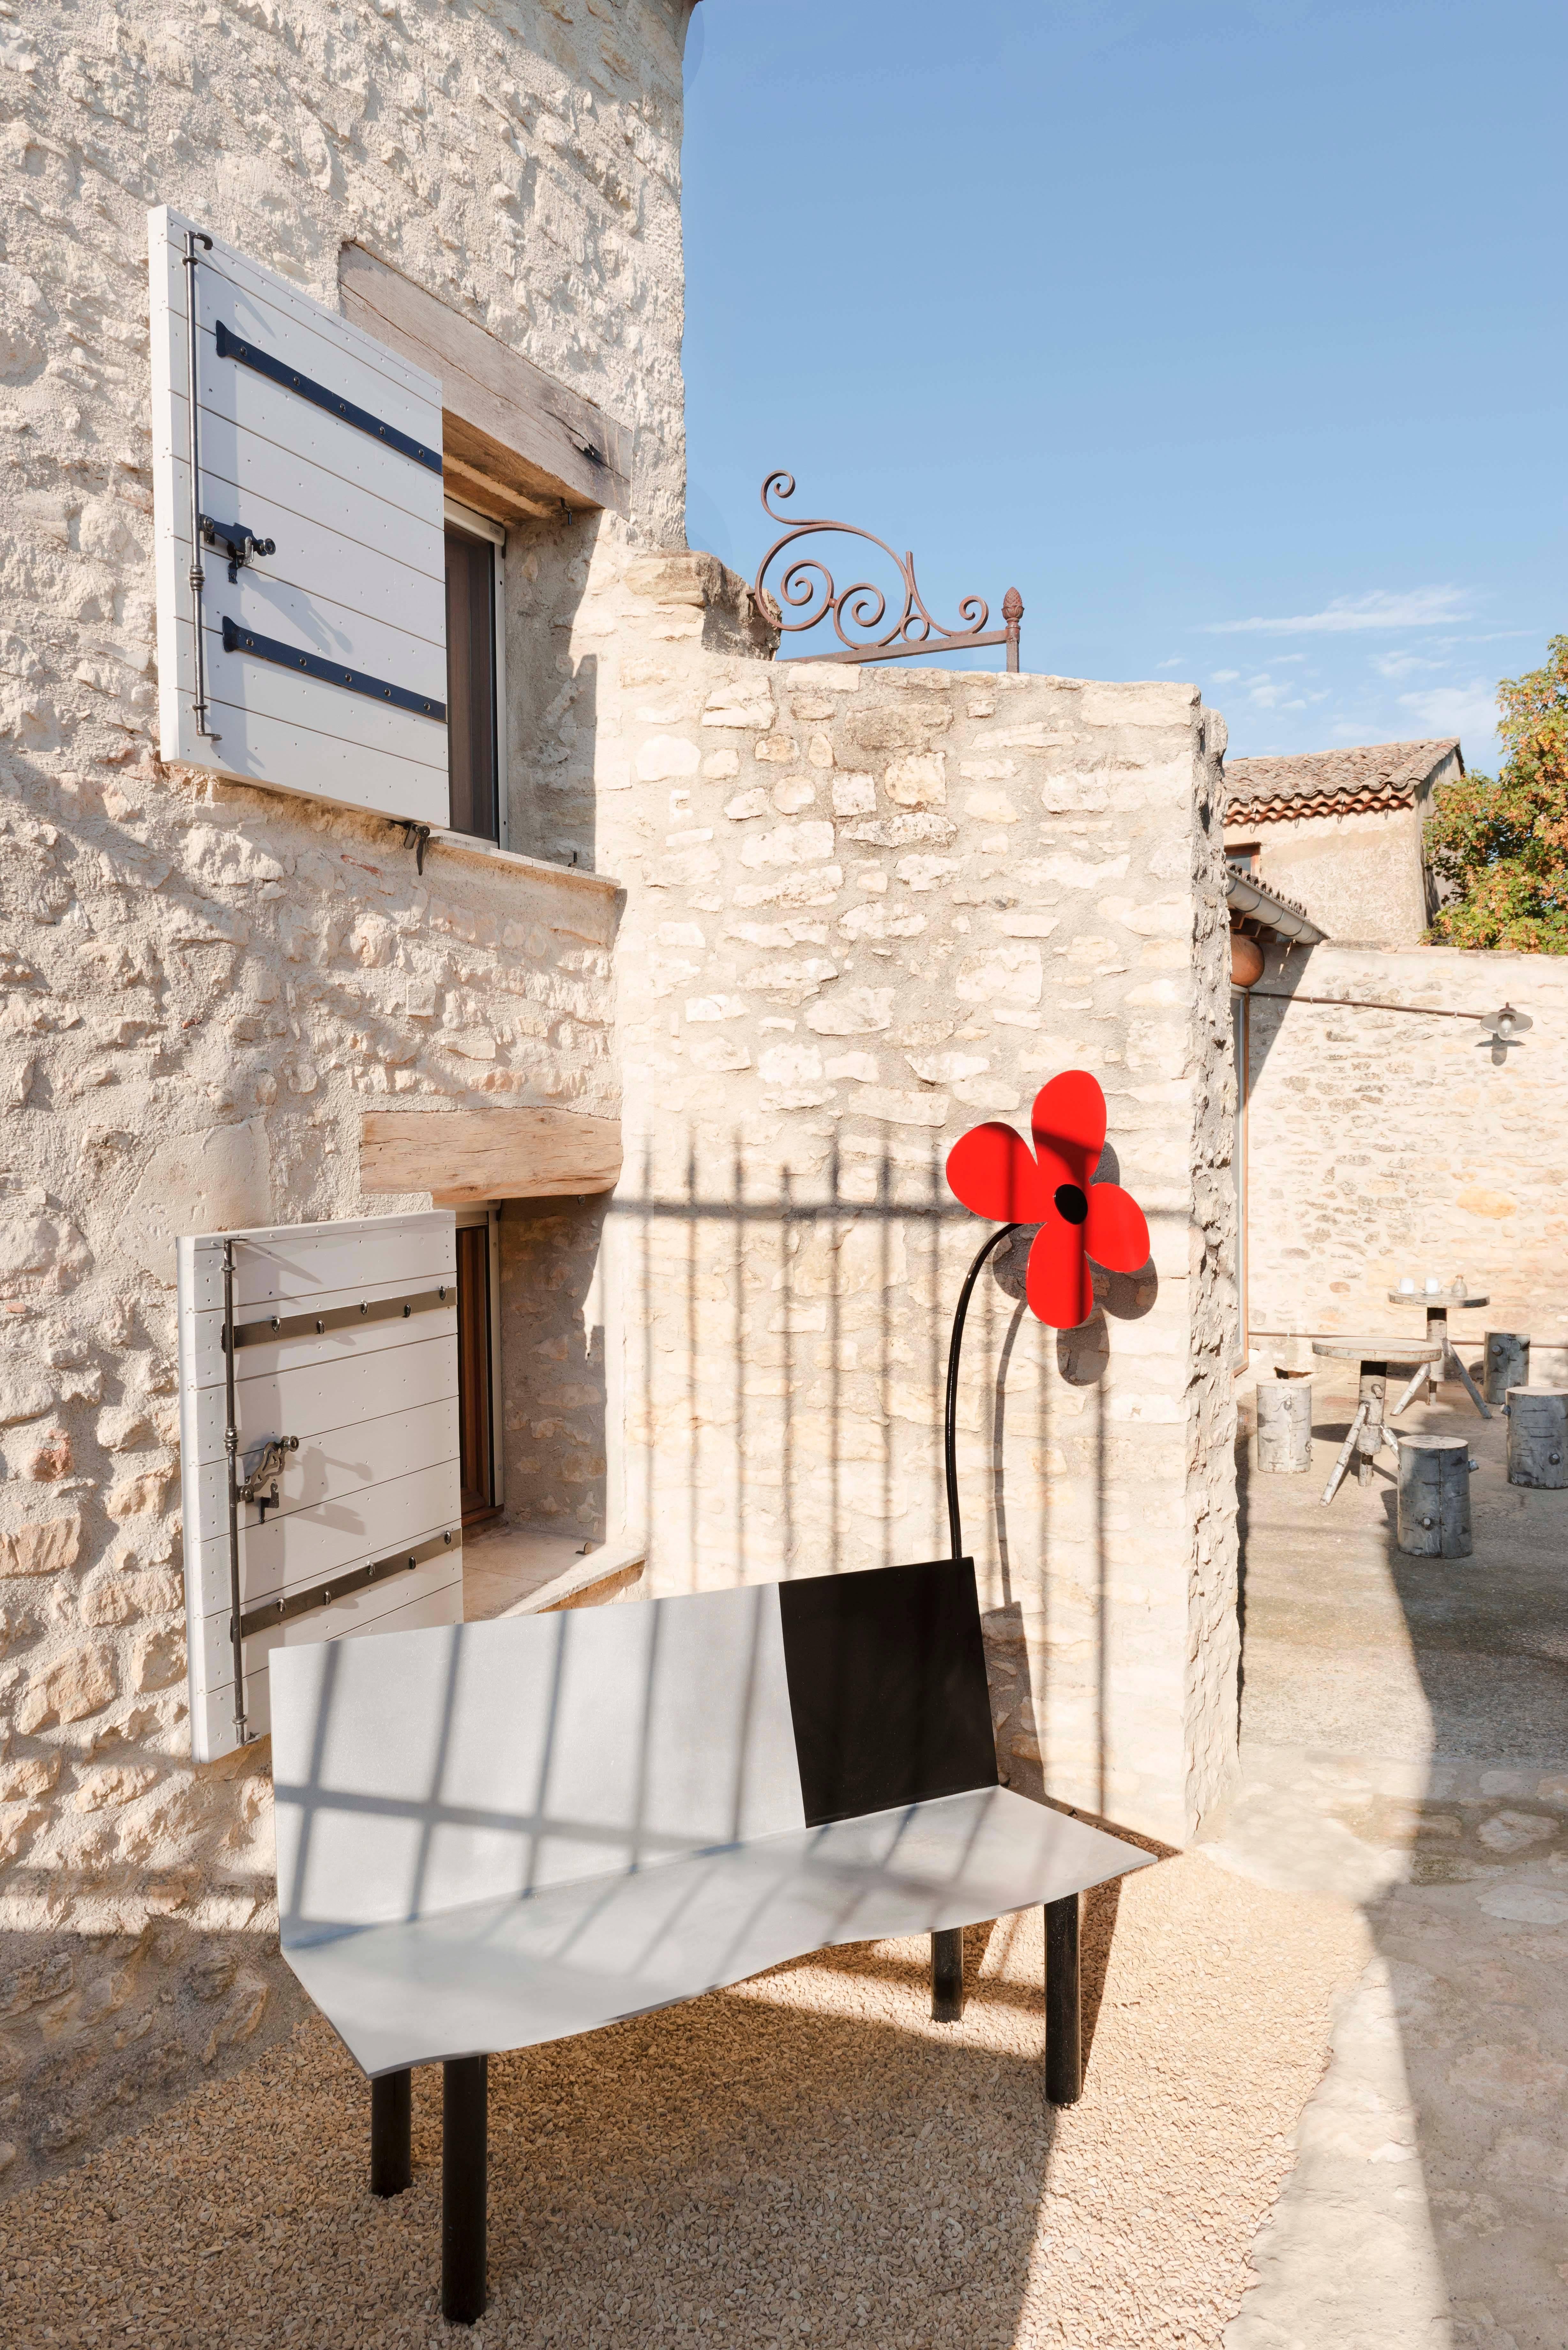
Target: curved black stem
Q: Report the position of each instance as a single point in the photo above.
(1003, 1232)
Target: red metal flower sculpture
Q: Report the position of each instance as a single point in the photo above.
(992, 1171)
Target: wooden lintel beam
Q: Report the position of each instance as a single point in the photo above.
(500, 413)
(468, 1155)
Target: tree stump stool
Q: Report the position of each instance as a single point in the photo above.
(1538, 1437)
(1285, 1427)
(1435, 1497)
(1507, 1363)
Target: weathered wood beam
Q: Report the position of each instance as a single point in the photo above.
(463, 1156)
(503, 417)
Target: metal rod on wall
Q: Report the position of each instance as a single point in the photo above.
(232, 1452)
(198, 578)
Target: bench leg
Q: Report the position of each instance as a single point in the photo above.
(947, 1975)
(1063, 2060)
(392, 2123)
(463, 2169)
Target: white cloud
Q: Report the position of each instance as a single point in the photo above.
(1463, 710)
(1225, 677)
(1397, 665)
(1415, 608)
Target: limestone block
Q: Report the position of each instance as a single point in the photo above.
(807, 843)
(80, 1684)
(748, 704)
(26, 1776)
(793, 794)
(116, 1783)
(854, 795)
(851, 1012)
(902, 1108)
(1001, 974)
(43, 1548)
(919, 782)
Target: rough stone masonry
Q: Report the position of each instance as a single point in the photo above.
(855, 911)
(202, 986)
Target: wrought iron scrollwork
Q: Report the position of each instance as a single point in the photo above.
(805, 586)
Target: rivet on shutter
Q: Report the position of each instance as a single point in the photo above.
(363, 1308)
(406, 1311)
(320, 1325)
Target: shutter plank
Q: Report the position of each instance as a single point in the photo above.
(385, 1607)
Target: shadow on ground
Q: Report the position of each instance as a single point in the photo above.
(1404, 1742)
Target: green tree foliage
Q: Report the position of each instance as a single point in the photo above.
(1503, 845)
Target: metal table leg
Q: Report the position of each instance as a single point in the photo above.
(391, 2126)
(464, 2175)
(947, 1975)
(1064, 2042)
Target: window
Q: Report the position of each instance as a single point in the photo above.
(475, 692)
(1248, 858)
(477, 1387)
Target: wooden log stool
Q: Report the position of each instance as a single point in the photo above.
(1368, 1432)
(1434, 1496)
(1538, 1437)
(1507, 1363)
(1284, 1426)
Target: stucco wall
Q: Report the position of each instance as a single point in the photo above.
(865, 910)
(1381, 1144)
(1362, 879)
(201, 988)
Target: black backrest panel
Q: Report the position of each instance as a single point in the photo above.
(886, 1686)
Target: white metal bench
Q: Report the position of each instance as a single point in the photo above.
(494, 1834)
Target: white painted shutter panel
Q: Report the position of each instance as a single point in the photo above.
(373, 1399)
(325, 660)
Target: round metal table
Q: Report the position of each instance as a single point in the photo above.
(1438, 1304)
(1367, 1430)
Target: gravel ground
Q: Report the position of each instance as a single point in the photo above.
(805, 2159)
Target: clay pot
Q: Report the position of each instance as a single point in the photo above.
(1246, 959)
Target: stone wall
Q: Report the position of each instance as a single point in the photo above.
(865, 910)
(201, 987)
(1381, 1143)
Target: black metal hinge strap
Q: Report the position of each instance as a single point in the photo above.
(343, 1317)
(342, 1587)
(320, 396)
(352, 681)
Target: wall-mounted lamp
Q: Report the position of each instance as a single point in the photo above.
(1504, 1027)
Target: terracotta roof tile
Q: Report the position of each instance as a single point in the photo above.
(1331, 783)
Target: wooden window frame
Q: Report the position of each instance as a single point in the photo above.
(483, 525)
(489, 1217)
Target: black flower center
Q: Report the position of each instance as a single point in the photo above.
(1072, 1203)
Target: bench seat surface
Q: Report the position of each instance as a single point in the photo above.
(512, 1972)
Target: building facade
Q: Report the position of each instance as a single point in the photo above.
(677, 1001)
(1343, 834)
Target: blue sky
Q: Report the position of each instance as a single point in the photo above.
(1232, 334)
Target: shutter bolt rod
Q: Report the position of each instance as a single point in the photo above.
(197, 576)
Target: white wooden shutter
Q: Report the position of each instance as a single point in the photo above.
(371, 1397)
(325, 660)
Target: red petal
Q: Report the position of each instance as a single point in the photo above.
(1116, 1234)
(1060, 1289)
(993, 1171)
(1069, 1121)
